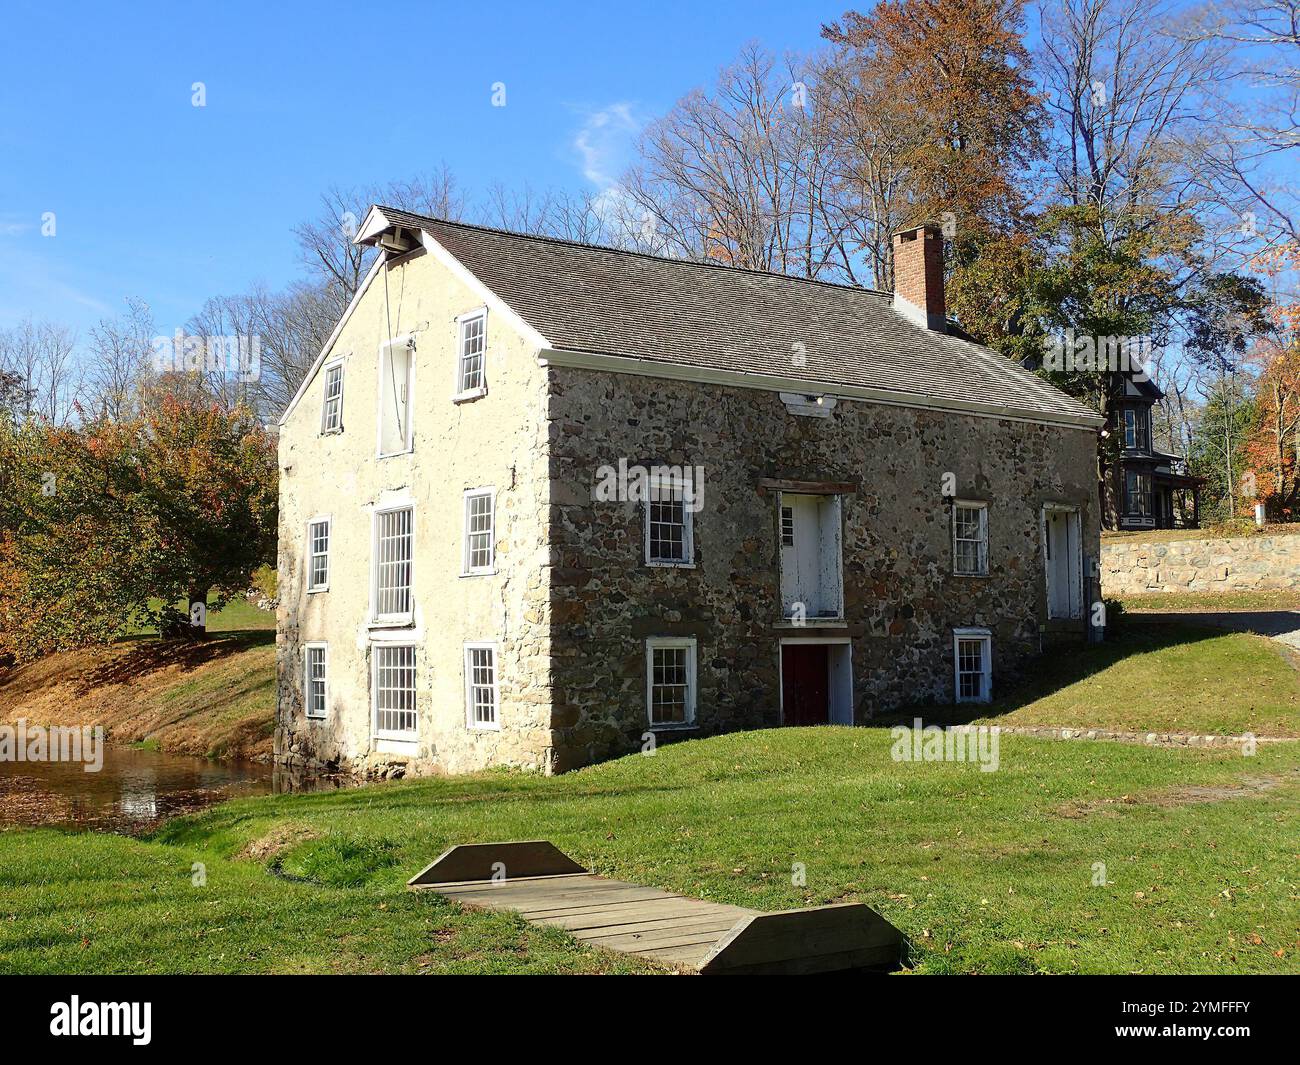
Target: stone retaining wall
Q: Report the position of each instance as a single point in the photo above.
(1240, 564)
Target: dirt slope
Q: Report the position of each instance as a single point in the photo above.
(213, 698)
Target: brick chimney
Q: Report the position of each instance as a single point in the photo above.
(918, 276)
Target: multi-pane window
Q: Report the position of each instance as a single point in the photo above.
(972, 665)
(1137, 429)
(670, 681)
(970, 539)
(1137, 488)
(787, 526)
(318, 554)
(668, 532)
(394, 690)
(472, 345)
(331, 416)
(480, 686)
(314, 690)
(393, 564)
(479, 532)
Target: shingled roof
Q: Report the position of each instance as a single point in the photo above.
(587, 298)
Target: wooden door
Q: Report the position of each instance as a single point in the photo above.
(805, 684)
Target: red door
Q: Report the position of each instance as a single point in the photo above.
(805, 684)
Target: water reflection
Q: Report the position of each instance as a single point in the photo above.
(136, 790)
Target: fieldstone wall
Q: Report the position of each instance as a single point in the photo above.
(1237, 564)
(902, 600)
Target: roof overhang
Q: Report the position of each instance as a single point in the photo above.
(596, 360)
(379, 231)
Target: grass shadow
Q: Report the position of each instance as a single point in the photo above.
(152, 654)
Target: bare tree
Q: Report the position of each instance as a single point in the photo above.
(38, 357)
(325, 242)
(120, 354)
(739, 175)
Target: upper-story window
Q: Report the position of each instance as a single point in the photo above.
(331, 415)
(318, 554)
(392, 562)
(471, 349)
(479, 550)
(669, 530)
(1137, 429)
(970, 539)
(396, 371)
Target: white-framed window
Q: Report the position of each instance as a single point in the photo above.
(393, 552)
(970, 538)
(396, 381)
(318, 554)
(393, 690)
(480, 532)
(972, 665)
(670, 681)
(315, 687)
(669, 528)
(471, 354)
(481, 689)
(331, 413)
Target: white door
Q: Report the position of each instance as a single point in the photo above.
(800, 555)
(1064, 563)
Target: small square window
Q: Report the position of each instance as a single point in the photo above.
(331, 416)
(670, 682)
(972, 665)
(315, 690)
(318, 555)
(480, 550)
(481, 692)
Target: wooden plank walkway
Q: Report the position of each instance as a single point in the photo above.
(547, 887)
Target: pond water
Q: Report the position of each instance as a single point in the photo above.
(136, 790)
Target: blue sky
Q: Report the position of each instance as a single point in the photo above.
(156, 198)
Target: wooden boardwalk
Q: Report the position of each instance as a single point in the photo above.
(547, 887)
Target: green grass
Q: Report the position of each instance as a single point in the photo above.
(238, 615)
(1152, 678)
(985, 872)
(1212, 601)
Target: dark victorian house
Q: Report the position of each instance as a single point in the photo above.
(1149, 489)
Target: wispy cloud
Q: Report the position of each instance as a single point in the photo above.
(604, 142)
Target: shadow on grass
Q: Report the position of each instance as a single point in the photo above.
(1057, 668)
(150, 653)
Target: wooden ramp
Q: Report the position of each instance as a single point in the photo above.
(547, 887)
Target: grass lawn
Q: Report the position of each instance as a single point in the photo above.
(238, 615)
(1212, 601)
(985, 872)
(1151, 678)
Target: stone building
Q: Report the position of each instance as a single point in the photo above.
(543, 503)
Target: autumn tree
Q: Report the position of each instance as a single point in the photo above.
(1272, 450)
(112, 523)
